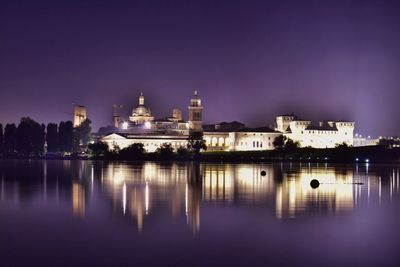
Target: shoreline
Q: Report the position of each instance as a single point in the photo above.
(350, 155)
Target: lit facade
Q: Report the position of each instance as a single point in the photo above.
(152, 133)
(150, 141)
(80, 115)
(324, 135)
(195, 114)
(359, 140)
(141, 113)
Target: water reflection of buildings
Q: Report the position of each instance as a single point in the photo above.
(137, 190)
(240, 183)
(146, 190)
(78, 200)
(294, 194)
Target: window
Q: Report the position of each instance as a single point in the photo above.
(254, 143)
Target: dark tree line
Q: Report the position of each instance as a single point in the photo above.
(65, 135)
(29, 138)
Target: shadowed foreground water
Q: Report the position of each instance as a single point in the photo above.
(68, 213)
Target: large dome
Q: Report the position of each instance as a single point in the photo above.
(141, 110)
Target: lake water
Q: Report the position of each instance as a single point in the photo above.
(69, 213)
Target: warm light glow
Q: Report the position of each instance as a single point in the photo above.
(78, 200)
(146, 198)
(124, 198)
(294, 195)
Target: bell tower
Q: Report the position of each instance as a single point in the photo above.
(195, 114)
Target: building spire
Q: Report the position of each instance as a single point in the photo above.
(141, 99)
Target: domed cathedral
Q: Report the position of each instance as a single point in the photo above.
(141, 113)
(195, 114)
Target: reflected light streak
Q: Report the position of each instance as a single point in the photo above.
(78, 200)
(186, 199)
(146, 197)
(124, 198)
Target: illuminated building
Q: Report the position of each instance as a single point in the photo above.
(323, 135)
(234, 136)
(195, 114)
(360, 140)
(79, 115)
(152, 133)
(141, 113)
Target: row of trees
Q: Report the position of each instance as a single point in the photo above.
(29, 137)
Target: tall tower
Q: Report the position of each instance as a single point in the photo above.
(79, 115)
(195, 114)
(116, 117)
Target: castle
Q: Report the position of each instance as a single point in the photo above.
(142, 127)
(325, 134)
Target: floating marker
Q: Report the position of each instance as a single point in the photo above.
(314, 183)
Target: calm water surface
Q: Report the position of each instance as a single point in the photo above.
(69, 213)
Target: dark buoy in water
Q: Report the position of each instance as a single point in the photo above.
(263, 173)
(314, 183)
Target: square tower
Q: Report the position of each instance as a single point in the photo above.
(79, 115)
(195, 114)
(283, 122)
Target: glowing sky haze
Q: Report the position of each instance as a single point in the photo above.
(249, 60)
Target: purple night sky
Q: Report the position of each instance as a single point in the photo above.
(249, 60)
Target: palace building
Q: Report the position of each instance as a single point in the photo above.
(142, 127)
(325, 134)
